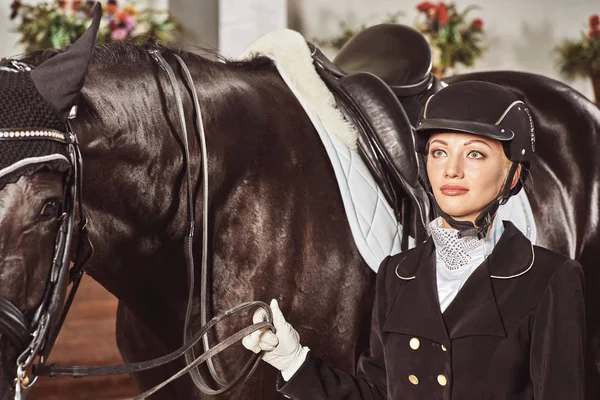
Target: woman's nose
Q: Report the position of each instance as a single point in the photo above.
(453, 167)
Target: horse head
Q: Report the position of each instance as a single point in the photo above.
(37, 182)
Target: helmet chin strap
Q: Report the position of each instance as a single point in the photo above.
(484, 219)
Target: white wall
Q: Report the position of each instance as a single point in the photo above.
(8, 39)
(241, 22)
(520, 33)
(200, 18)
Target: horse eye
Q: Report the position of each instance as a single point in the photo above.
(50, 209)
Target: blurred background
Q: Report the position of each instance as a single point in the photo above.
(556, 38)
(525, 35)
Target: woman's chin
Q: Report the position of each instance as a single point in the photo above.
(459, 213)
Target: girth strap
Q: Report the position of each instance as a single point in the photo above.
(14, 325)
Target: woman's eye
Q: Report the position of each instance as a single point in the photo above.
(475, 154)
(50, 209)
(438, 153)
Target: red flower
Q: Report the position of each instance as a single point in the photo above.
(478, 24)
(76, 5)
(425, 6)
(14, 9)
(442, 14)
(111, 6)
(594, 21)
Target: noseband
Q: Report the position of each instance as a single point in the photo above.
(13, 324)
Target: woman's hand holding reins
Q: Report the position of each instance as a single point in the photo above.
(282, 349)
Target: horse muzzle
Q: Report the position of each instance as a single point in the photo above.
(14, 325)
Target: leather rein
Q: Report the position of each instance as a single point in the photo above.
(189, 340)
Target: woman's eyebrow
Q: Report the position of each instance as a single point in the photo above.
(476, 141)
(438, 140)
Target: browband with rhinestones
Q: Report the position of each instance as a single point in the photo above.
(33, 134)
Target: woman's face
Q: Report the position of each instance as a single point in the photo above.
(466, 173)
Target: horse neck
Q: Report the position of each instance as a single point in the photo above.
(134, 186)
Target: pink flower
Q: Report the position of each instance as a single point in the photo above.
(130, 22)
(119, 34)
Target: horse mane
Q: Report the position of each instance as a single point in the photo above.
(129, 52)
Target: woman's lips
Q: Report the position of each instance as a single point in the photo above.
(453, 190)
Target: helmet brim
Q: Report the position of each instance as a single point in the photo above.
(437, 125)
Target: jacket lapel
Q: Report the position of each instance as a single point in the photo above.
(416, 308)
(474, 311)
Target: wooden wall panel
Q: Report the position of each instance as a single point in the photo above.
(87, 338)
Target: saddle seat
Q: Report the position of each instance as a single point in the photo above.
(385, 138)
(397, 54)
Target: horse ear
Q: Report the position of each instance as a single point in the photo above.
(60, 79)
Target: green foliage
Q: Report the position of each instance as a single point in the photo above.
(53, 25)
(45, 26)
(457, 38)
(579, 58)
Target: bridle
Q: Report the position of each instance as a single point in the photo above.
(42, 328)
(38, 335)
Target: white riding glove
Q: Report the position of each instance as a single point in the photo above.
(282, 350)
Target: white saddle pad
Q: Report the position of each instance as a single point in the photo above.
(375, 229)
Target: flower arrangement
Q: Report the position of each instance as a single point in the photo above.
(59, 23)
(581, 58)
(454, 38)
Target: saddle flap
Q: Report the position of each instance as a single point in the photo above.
(390, 126)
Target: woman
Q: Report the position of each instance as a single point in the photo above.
(476, 311)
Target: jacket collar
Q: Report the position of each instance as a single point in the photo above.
(416, 308)
(512, 242)
(519, 250)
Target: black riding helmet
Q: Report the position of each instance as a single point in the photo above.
(483, 109)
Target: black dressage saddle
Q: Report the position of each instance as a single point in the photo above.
(367, 77)
(397, 54)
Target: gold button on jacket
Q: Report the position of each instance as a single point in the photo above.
(442, 380)
(414, 343)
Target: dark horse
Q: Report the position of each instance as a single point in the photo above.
(277, 225)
